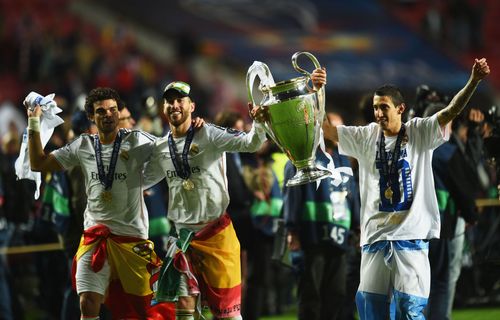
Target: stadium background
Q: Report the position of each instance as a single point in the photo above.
(68, 47)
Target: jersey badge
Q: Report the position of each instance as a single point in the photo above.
(194, 149)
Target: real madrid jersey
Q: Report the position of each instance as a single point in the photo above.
(410, 212)
(125, 213)
(208, 197)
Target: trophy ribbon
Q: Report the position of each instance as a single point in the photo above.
(337, 178)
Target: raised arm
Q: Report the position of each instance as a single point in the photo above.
(480, 70)
(39, 161)
(318, 78)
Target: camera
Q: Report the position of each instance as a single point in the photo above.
(492, 141)
(492, 116)
(427, 98)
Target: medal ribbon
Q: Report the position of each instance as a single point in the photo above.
(391, 172)
(181, 168)
(107, 179)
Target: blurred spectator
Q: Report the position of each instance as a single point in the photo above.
(266, 282)
(17, 206)
(318, 219)
(125, 120)
(151, 120)
(433, 22)
(11, 118)
(5, 299)
(456, 203)
(462, 16)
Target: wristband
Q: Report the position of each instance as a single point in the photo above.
(34, 124)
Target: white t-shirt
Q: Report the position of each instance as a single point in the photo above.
(126, 214)
(416, 214)
(209, 198)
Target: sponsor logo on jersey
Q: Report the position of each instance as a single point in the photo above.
(118, 176)
(172, 174)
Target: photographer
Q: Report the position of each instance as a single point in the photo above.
(490, 131)
(452, 165)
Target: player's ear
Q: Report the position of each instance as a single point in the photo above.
(401, 108)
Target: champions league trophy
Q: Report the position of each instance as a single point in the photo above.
(296, 112)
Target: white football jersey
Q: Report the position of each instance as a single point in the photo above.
(209, 198)
(412, 211)
(126, 213)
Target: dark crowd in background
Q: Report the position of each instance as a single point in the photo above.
(47, 49)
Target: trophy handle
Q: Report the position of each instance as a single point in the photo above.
(266, 79)
(321, 92)
(310, 56)
(296, 66)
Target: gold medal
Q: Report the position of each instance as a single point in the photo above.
(106, 196)
(388, 193)
(188, 185)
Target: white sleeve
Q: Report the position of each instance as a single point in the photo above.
(430, 133)
(230, 140)
(153, 171)
(352, 140)
(67, 156)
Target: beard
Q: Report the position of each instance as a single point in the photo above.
(176, 118)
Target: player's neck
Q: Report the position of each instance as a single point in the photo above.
(393, 130)
(180, 130)
(108, 137)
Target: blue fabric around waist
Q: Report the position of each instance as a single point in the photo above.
(397, 245)
(388, 247)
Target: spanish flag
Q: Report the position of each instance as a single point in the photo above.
(210, 259)
(132, 261)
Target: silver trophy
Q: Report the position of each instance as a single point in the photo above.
(296, 111)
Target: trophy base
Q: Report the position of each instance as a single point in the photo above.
(307, 175)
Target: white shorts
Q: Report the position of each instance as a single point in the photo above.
(87, 279)
(396, 266)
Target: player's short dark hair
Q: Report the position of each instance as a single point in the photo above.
(391, 91)
(100, 94)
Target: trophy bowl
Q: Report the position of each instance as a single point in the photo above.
(296, 112)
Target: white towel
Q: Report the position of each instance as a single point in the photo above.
(48, 121)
